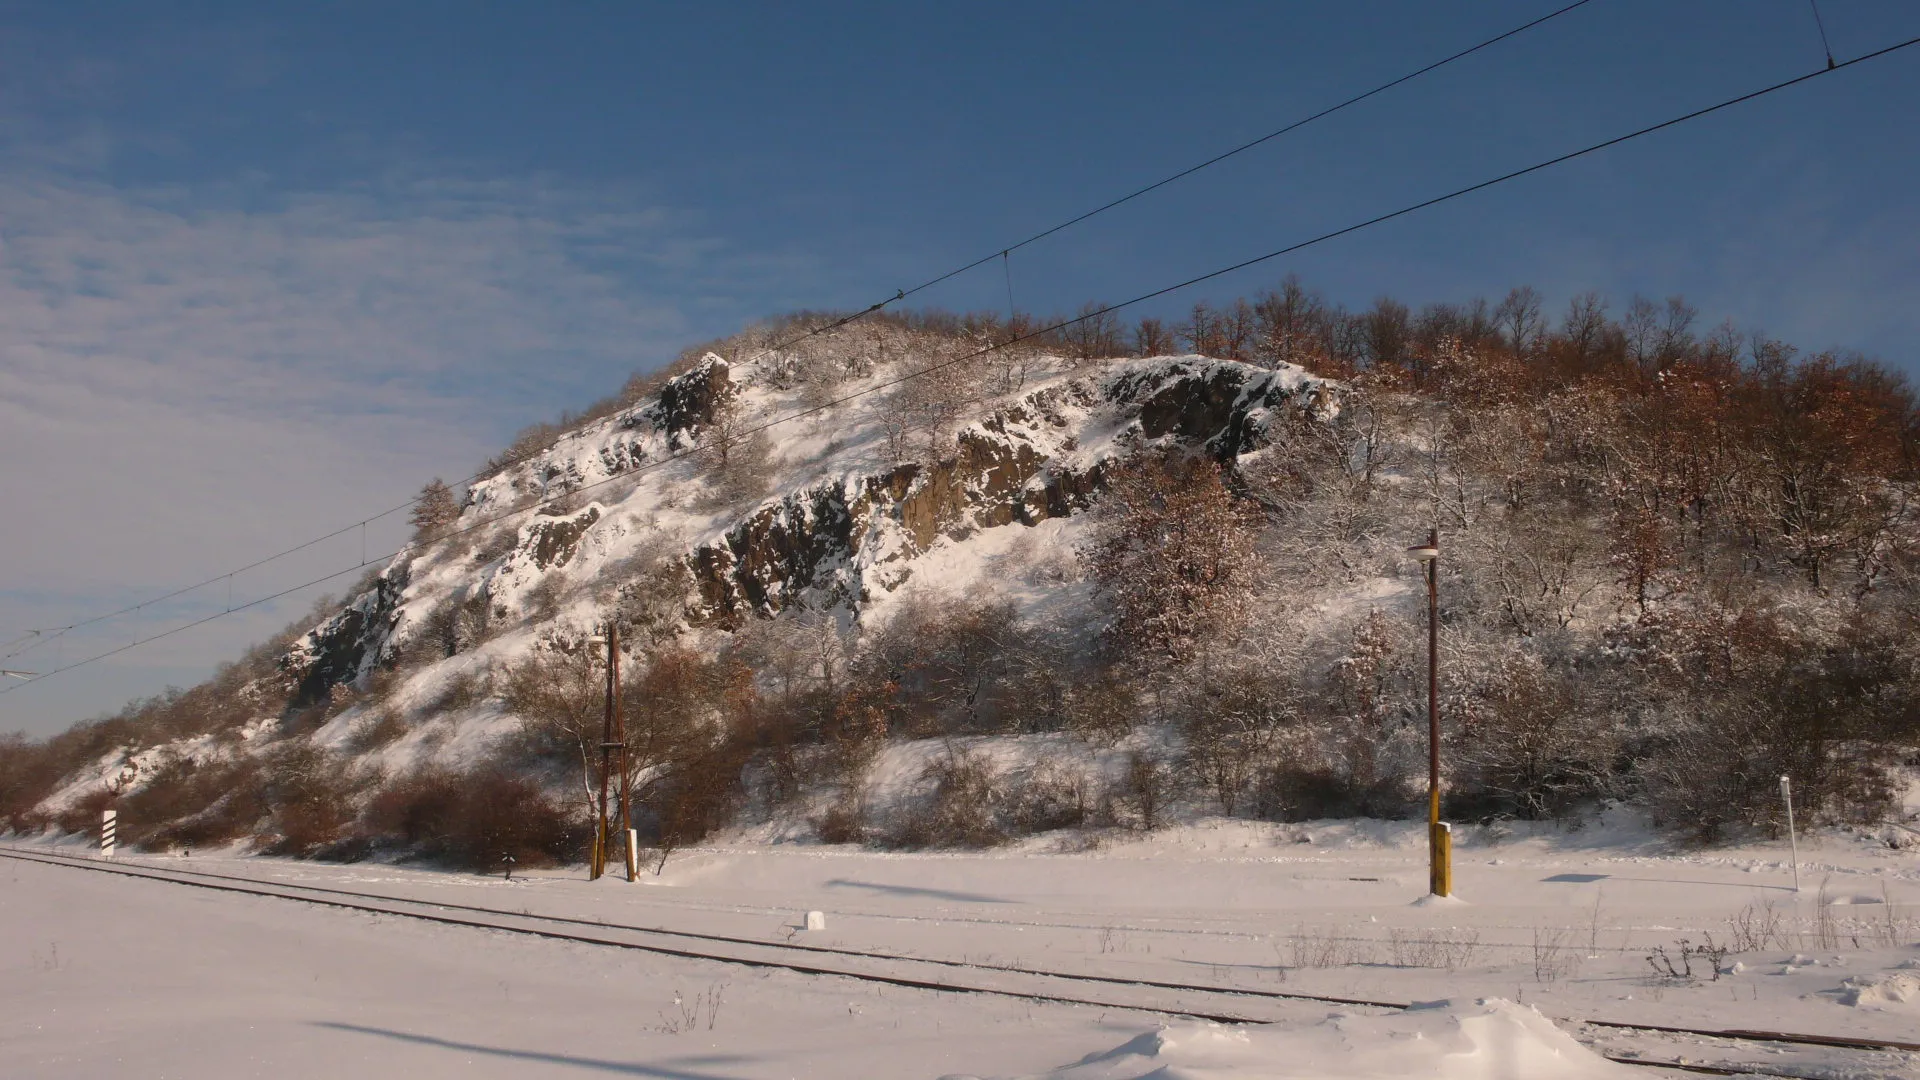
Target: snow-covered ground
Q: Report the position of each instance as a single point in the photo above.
(109, 974)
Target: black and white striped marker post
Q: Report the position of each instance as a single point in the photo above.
(109, 826)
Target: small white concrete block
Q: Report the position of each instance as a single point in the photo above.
(816, 920)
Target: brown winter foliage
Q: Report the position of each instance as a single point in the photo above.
(1675, 566)
(1175, 555)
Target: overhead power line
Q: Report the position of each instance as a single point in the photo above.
(1245, 146)
(37, 638)
(1243, 264)
(1825, 46)
(52, 633)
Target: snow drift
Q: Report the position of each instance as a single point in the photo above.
(1488, 1039)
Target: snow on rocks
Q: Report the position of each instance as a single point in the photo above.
(1487, 1039)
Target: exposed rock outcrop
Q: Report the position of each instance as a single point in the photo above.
(1017, 465)
(834, 540)
(687, 401)
(551, 542)
(344, 647)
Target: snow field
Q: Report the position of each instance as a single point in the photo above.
(1562, 923)
(109, 976)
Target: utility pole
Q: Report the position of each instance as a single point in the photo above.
(1439, 834)
(598, 864)
(613, 754)
(618, 722)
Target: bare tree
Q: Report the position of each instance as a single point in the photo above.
(1096, 336)
(558, 694)
(734, 453)
(1201, 332)
(1585, 324)
(1388, 331)
(1152, 338)
(1675, 329)
(1237, 325)
(1519, 319)
(1642, 328)
(929, 405)
(1284, 323)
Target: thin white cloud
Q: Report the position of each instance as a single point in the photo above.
(191, 379)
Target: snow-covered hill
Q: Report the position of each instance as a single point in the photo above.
(886, 585)
(844, 523)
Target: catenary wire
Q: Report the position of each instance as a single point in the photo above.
(1042, 332)
(53, 632)
(37, 638)
(1245, 146)
(1825, 46)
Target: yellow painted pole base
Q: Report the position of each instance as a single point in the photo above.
(1440, 852)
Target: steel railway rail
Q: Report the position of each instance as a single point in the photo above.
(1043, 985)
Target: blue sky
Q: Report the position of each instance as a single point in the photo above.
(266, 268)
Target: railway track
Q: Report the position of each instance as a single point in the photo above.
(1231, 1005)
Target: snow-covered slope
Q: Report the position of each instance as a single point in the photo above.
(886, 585)
(843, 520)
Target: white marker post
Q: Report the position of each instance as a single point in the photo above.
(109, 826)
(1793, 844)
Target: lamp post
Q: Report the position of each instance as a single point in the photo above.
(1439, 835)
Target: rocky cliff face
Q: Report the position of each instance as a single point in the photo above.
(345, 647)
(1020, 464)
(845, 518)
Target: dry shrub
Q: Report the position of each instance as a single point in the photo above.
(1053, 796)
(1526, 744)
(959, 809)
(947, 665)
(310, 800)
(1146, 790)
(1759, 926)
(1297, 791)
(474, 819)
(1430, 948)
(844, 822)
(231, 801)
(1102, 710)
(1326, 946)
(1172, 554)
(376, 729)
(463, 690)
(542, 601)
(176, 787)
(83, 814)
(27, 775)
(698, 796)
